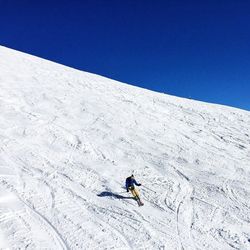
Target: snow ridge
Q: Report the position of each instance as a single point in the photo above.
(70, 138)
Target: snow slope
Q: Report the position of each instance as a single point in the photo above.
(68, 141)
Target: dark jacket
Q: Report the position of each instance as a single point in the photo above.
(130, 182)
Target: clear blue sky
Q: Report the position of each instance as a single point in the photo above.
(195, 49)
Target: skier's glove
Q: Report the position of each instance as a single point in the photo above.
(139, 184)
(127, 190)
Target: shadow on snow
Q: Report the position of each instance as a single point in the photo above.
(110, 194)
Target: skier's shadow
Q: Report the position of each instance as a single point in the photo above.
(116, 196)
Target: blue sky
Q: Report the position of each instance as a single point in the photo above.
(194, 49)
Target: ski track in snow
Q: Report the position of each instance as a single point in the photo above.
(70, 138)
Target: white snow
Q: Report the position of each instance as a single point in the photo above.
(68, 140)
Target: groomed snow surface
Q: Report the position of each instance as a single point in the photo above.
(68, 141)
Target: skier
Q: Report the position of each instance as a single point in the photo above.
(130, 186)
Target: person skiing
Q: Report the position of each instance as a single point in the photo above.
(130, 186)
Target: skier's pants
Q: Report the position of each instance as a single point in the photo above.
(134, 192)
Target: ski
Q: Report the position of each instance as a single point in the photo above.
(139, 202)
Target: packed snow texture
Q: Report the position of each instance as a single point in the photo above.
(70, 138)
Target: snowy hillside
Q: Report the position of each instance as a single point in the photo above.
(68, 141)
